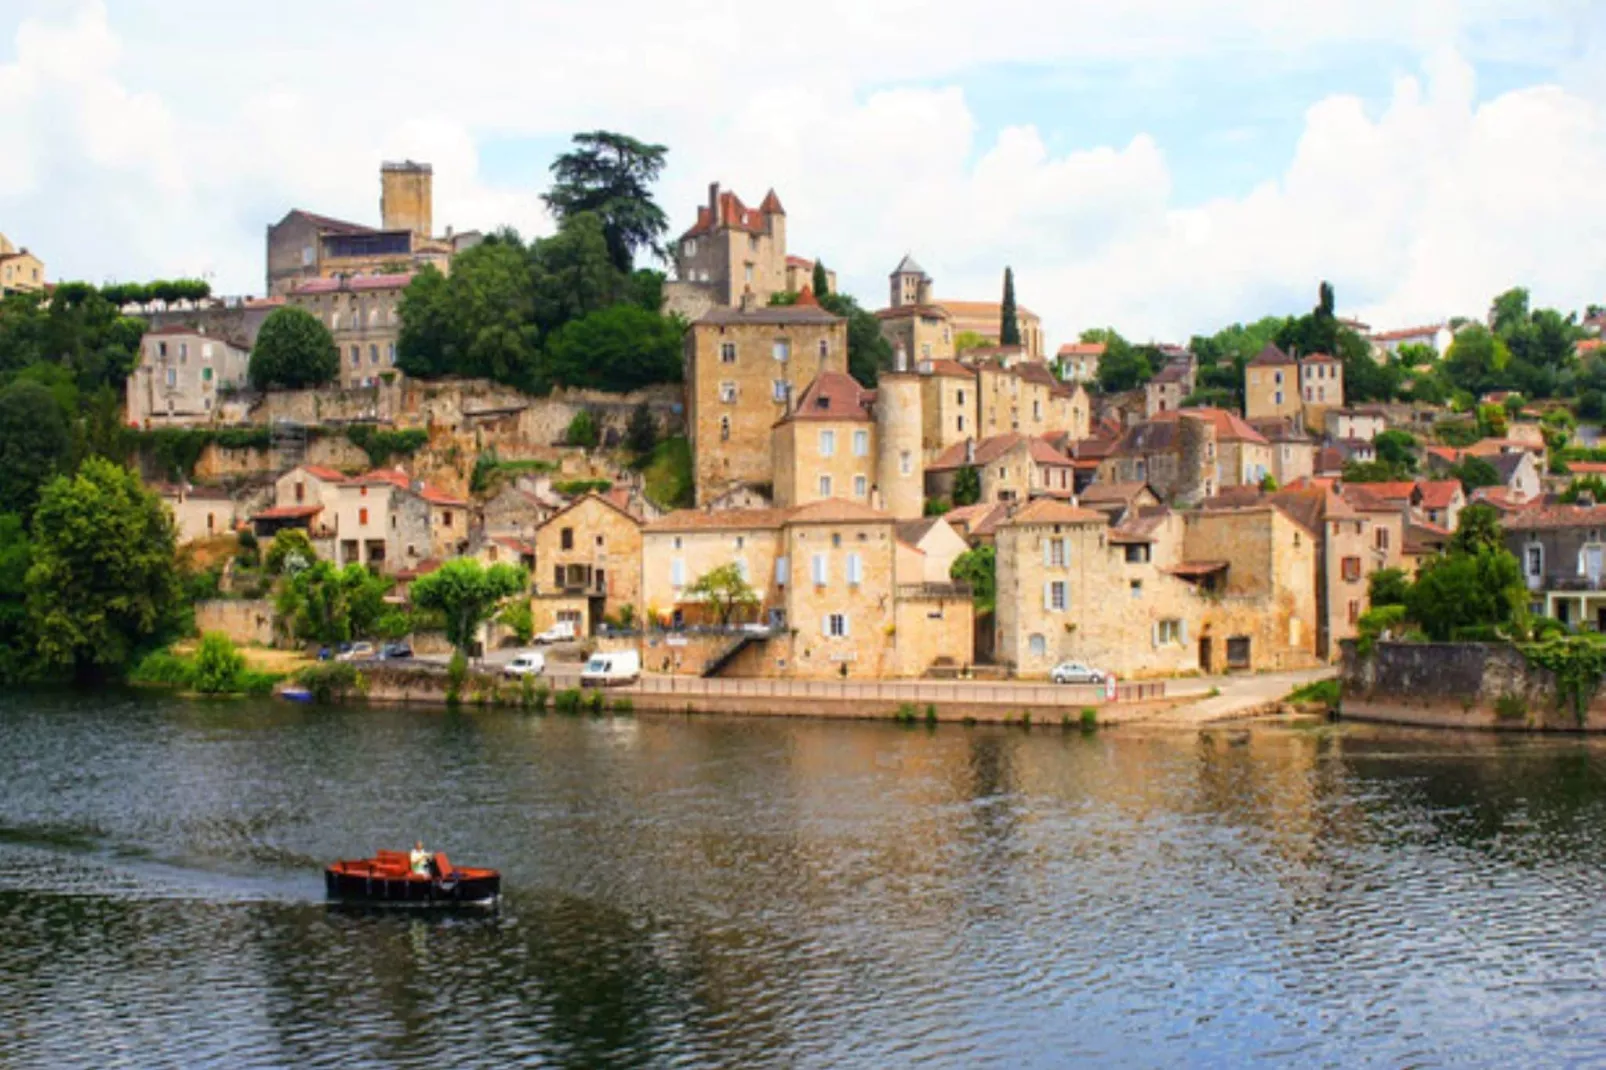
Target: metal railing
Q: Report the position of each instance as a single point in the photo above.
(933, 590)
(1014, 693)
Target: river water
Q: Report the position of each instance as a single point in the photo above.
(764, 892)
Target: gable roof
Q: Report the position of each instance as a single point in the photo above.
(1437, 493)
(949, 369)
(1081, 349)
(1553, 517)
(734, 214)
(1054, 511)
(601, 500)
(717, 520)
(907, 266)
(355, 283)
(837, 511)
(1114, 492)
(1160, 432)
(323, 472)
(1270, 356)
(769, 314)
(987, 450)
(983, 308)
(831, 396)
(1506, 464)
(327, 224)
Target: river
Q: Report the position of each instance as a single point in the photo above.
(730, 892)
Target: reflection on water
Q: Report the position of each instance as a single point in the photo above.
(773, 892)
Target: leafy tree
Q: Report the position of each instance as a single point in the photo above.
(967, 486)
(1592, 404)
(1268, 483)
(1121, 367)
(518, 616)
(583, 431)
(1416, 354)
(1373, 472)
(1477, 529)
(572, 273)
(219, 667)
(726, 590)
(17, 640)
(869, 352)
(1397, 449)
(323, 604)
(967, 340)
(1008, 321)
(35, 445)
(479, 321)
(1388, 587)
(979, 568)
(1476, 359)
(641, 433)
(466, 593)
(1492, 421)
(621, 347)
(103, 585)
(293, 350)
(822, 281)
(1475, 472)
(290, 552)
(645, 288)
(1461, 593)
(611, 175)
(1592, 486)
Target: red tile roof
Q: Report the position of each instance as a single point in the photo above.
(1318, 358)
(1406, 332)
(904, 311)
(1159, 433)
(1270, 356)
(355, 283)
(831, 396)
(288, 512)
(950, 369)
(328, 475)
(991, 309)
(1587, 468)
(1440, 493)
(736, 215)
(1081, 349)
(1053, 511)
(1550, 517)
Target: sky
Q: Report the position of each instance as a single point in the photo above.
(1164, 167)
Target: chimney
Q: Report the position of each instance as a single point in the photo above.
(713, 203)
(749, 302)
(970, 451)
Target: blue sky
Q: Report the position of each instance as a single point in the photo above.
(1160, 165)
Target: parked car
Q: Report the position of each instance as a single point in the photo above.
(529, 663)
(396, 650)
(357, 652)
(561, 632)
(1074, 672)
(615, 667)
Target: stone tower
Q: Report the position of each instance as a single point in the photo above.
(1196, 460)
(910, 284)
(900, 474)
(406, 197)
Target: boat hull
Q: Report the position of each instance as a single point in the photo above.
(380, 889)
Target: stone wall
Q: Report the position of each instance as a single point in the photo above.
(244, 621)
(1457, 685)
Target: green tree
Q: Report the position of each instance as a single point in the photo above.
(1594, 487)
(1466, 593)
(219, 667)
(978, 568)
(1416, 355)
(1476, 359)
(293, 350)
(479, 321)
(572, 274)
(822, 281)
(611, 175)
(967, 486)
(1397, 449)
(323, 604)
(467, 594)
(1388, 587)
(1008, 321)
(1492, 421)
(1477, 529)
(641, 433)
(1475, 472)
(583, 431)
(17, 640)
(869, 352)
(103, 585)
(967, 340)
(35, 445)
(291, 552)
(726, 589)
(619, 348)
(1122, 368)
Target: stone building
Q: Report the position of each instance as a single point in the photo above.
(935, 545)
(304, 245)
(1174, 592)
(824, 446)
(363, 313)
(733, 250)
(910, 286)
(948, 405)
(515, 512)
(1562, 553)
(1293, 452)
(1166, 391)
(922, 332)
(20, 270)
(1304, 389)
(1010, 468)
(182, 374)
(588, 558)
(743, 367)
(1189, 455)
(1026, 397)
(382, 523)
(199, 512)
(800, 274)
(1079, 361)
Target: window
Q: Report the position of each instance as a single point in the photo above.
(1381, 538)
(925, 350)
(689, 247)
(161, 349)
(1354, 610)
(727, 352)
(677, 573)
(301, 493)
(566, 539)
(446, 518)
(1278, 398)
(1137, 554)
(1536, 560)
(861, 487)
(861, 443)
(855, 570)
(1055, 596)
(334, 321)
(827, 443)
(1352, 569)
(825, 348)
(206, 350)
(818, 570)
(1167, 632)
(906, 462)
(1277, 377)
(825, 486)
(782, 350)
(961, 423)
(373, 354)
(724, 428)
(740, 541)
(390, 353)
(959, 397)
(206, 375)
(727, 393)
(183, 352)
(677, 542)
(1055, 552)
(172, 377)
(836, 625)
(1037, 409)
(356, 356)
(783, 571)
(1037, 645)
(362, 514)
(780, 390)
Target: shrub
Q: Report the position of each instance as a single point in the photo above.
(1511, 708)
(1090, 718)
(905, 713)
(931, 713)
(1326, 692)
(219, 667)
(456, 673)
(163, 668)
(595, 702)
(331, 681)
(583, 430)
(518, 617)
(383, 443)
(568, 701)
(574, 488)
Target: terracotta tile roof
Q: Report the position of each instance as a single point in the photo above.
(1368, 498)
(831, 396)
(395, 477)
(736, 215)
(899, 312)
(981, 353)
(769, 314)
(1042, 452)
(717, 520)
(1171, 373)
(1113, 492)
(950, 369)
(1406, 332)
(987, 527)
(1270, 357)
(912, 531)
(329, 223)
(969, 516)
(799, 262)
(1081, 349)
(1032, 372)
(1159, 433)
(1441, 493)
(987, 450)
(1281, 430)
(1236, 497)
(436, 496)
(1501, 498)
(837, 511)
(516, 545)
(423, 568)
(1588, 345)
(1424, 539)
(1318, 358)
(1553, 517)
(1494, 447)
(1054, 511)
(328, 475)
(1140, 526)
(1329, 459)
(608, 500)
(1447, 454)
(288, 512)
(1587, 468)
(985, 308)
(354, 283)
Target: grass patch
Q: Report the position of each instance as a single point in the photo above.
(332, 681)
(574, 488)
(667, 474)
(1089, 719)
(1326, 692)
(218, 669)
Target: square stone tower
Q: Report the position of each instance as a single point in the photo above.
(406, 197)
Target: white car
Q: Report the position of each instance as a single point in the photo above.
(561, 632)
(532, 663)
(1074, 672)
(358, 652)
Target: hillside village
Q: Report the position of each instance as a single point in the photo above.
(815, 490)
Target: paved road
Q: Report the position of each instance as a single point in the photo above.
(1240, 697)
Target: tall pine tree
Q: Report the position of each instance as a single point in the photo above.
(821, 283)
(1009, 326)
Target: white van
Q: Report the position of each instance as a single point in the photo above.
(529, 663)
(617, 667)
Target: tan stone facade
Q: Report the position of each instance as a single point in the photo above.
(588, 556)
(948, 405)
(1302, 390)
(20, 271)
(919, 332)
(363, 313)
(183, 376)
(742, 368)
(732, 250)
(911, 287)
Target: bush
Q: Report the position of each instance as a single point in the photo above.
(574, 488)
(583, 431)
(1511, 708)
(219, 667)
(1325, 692)
(595, 702)
(931, 713)
(293, 350)
(1089, 718)
(518, 617)
(381, 443)
(538, 698)
(906, 713)
(331, 681)
(163, 668)
(568, 701)
(456, 674)
(937, 506)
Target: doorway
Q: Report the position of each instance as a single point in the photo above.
(1204, 655)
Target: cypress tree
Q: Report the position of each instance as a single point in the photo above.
(820, 281)
(1009, 326)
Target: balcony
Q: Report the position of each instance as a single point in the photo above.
(933, 590)
(1566, 583)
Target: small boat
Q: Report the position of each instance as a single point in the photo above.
(295, 694)
(388, 879)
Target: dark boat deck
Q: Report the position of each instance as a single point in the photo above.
(388, 880)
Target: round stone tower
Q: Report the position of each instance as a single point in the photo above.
(1196, 459)
(899, 473)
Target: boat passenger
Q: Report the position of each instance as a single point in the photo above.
(420, 859)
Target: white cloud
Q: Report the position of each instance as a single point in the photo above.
(162, 145)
